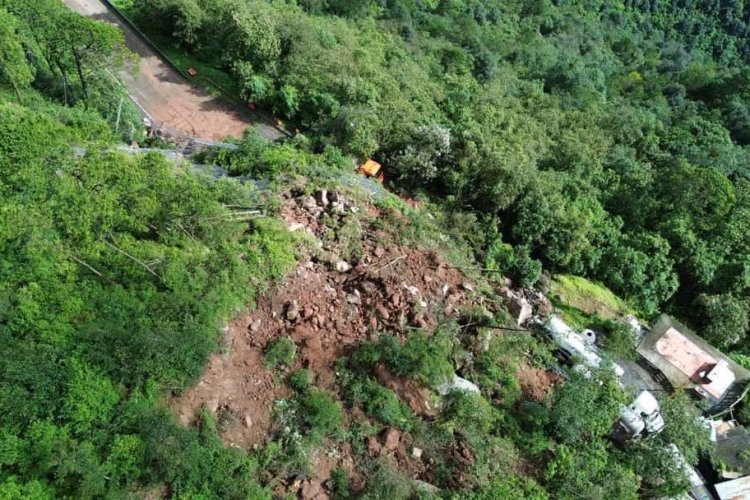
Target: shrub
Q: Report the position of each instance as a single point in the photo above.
(339, 484)
(469, 415)
(423, 357)
(514, 262)
(426, 358)
(280, 352)
(301, 380)
(321, 412)
(381, 403)
(619, 340)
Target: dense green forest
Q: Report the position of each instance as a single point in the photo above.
(604, 139)
(116, 273)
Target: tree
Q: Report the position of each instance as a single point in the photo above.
(14, 67)
(724, 318)
(586, 407)
(639, 266)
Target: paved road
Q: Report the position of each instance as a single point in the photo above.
(167, 97)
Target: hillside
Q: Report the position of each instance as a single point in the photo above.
(259, 320)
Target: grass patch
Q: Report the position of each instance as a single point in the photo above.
(579, 298)
(281, 352)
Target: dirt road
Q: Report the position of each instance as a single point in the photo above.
(167, 96)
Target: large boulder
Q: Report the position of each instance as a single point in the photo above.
(457, 384)
(520, 309)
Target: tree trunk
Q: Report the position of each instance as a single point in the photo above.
(79, 69)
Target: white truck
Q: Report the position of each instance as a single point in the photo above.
(641, 417)
(578, 348)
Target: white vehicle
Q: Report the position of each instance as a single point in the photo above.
(576, 346)
(642, 416)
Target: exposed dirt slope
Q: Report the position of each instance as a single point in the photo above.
(325, 306)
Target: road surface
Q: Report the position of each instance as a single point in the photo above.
(167, 97)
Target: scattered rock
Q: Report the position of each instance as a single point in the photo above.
(373, 446)
(292, 311)
(296, 226)
(313, 491)
(416, 453)
(321, 198)
(521, 310)
(391, 439)
(383, 312)
(255, 327)
(310, 204)
(248, 422)
(457, 384)
(468, 286)
(353, 299)
(343, 266)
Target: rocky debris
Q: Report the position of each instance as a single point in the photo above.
(248, 422)
(311, 205)
(325, 312)
(420, 400)
(313, 491)
(343, 267)
(416, 453)
(321, 198)
(391, 439)
(536, 383)
(373, 446)
(292, 311)
(457, 384)
(526, 305)
(520, 309)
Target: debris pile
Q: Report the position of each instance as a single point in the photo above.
(326, 305)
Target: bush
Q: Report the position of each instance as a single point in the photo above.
(423, 357)
(426, 358)
(726, 318)
(321, 413)
(301, 380)
(280, 352)
(619, 340)
(380, 403)
(514, 262)
(468, 414)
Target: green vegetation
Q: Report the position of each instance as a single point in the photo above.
(280, 352)
(574, 292)
(116, 274)
(605, 141)
(601, 139)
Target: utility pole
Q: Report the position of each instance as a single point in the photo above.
(119, 113)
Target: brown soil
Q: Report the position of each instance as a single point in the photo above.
(536, 383)
(325, 312)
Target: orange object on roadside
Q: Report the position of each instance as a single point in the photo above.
(370, 168)
(192, 71)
